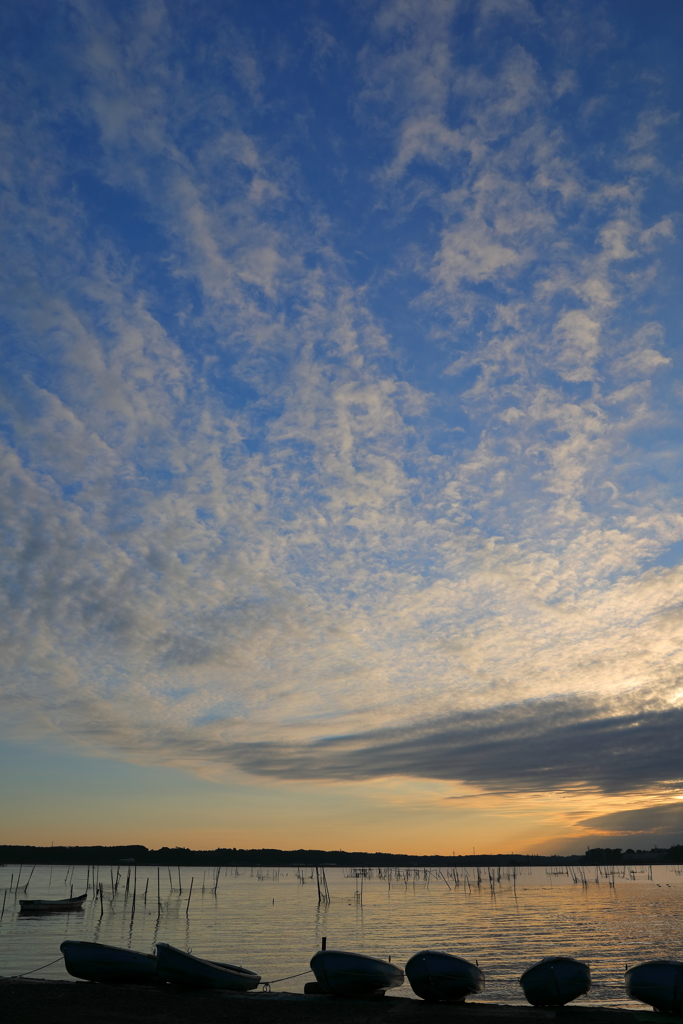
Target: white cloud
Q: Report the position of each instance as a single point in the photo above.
(232, 517)
(578, 335)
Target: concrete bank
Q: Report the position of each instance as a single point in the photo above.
(53, 1002)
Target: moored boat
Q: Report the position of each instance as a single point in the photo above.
(181, 968)
(434, 975)
(72, 903)
(94, 961)
(354, 974)
(555, 981)
(659, 983)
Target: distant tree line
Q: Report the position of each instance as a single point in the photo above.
(227, 857)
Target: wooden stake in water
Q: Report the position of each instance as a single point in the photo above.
(187, 908)
(158, 891)
(180, 884)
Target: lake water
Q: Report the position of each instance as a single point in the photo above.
(270, 921)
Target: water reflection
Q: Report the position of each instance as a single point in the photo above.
(271, 920)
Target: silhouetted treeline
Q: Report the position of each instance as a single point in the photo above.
(329, 858)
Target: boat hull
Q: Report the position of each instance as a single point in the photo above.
(352, 974)
(659, 983)
(556, 981)
(94, 961)
(434, 976)
(52, 906)
(181, 968)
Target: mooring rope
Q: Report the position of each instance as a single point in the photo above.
(267, 984)
(13, 977)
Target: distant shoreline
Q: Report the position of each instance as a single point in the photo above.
(273, 858)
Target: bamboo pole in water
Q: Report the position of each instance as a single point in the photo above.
(187, 908)
(135, 888)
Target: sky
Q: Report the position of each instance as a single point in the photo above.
(340, 424)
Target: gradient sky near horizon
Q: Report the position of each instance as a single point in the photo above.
(341, 423)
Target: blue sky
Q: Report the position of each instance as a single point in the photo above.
(340, 423)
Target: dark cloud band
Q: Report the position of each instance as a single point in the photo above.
(530, 747)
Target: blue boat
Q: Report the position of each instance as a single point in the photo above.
(434, 975)
(659, 983)
(556, 981)
(94, 961)
(352, 974)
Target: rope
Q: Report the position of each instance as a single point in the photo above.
(13, 977)
(267, 984)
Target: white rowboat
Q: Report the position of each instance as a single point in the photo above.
(555, 981)
(181, 968)
(94, 961)
(353, 974)
(434, 975)
(72, 903)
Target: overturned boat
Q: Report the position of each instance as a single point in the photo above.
(181, 968)
(555, 981)
(353, 974)
(434, 975)
(659, 983)
(94, 961)
(72, 903)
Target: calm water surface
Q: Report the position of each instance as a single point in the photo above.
(269, 920)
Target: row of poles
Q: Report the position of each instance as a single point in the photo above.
(132, 876)
(15, 888)
(98, 887)
(458, 876)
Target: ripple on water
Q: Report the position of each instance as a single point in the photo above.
(269, 920)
